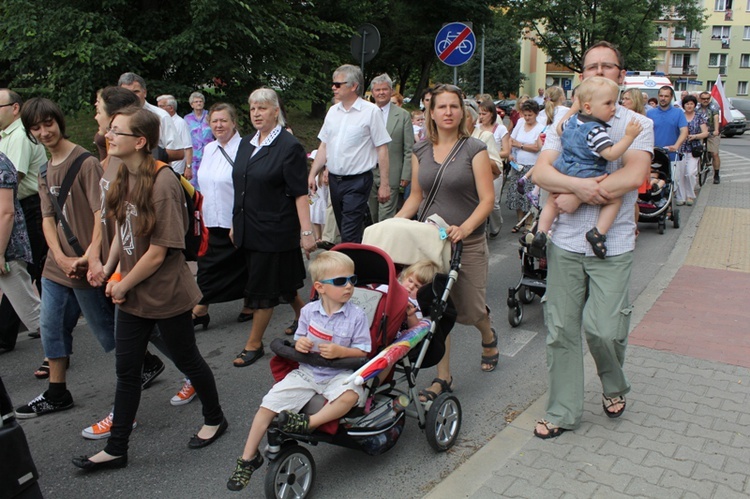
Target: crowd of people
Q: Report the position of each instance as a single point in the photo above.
(102, 237)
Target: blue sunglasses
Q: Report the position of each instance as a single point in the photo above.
(340, 282)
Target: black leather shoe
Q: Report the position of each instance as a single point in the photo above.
(201, 320)
(243, 317)
(86, 464)
(197, 443)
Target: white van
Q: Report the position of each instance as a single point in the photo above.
(646, 81)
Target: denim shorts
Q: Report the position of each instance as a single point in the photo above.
(61, 307)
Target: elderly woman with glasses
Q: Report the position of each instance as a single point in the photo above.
(271, 217)
(464, 200)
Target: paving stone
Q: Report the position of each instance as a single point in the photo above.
(712, 459)
(724, 437)
(534, 475)
(695, 443)
(744, 419)
(650, 474)
(619, 438)
(559, 481)
(731, 426)
(740, 452)
(650, 409)
(684, 468)
(725, 492)
(656, 424)
(676, 404)
(619, 481)
(725, 394)
(734, 481)
(718, 414)
(497, 485)
(703, 421)
(732, 406)
(641, 488)
(599, 460)
(610, 493)
(526, 456)
(640, 442)
(671, 480)
(486, 492)
(736, 466)
(702, 399)
(521, 488)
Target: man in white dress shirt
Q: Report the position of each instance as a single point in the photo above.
(353, 142)
(182, 166)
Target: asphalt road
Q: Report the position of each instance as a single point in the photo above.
(161, 465)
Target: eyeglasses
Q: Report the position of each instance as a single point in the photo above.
(340, 282)
(601, 66)
(6, 105)
(338, 84)
(115, 131)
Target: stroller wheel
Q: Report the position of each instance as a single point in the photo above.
(676, 219)
(291, 474)
(443, 422)
(662, 226)
(526, 295)
(515, 315)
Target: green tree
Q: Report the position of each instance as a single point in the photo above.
(564, 29)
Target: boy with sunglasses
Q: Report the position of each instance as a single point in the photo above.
(336, 329)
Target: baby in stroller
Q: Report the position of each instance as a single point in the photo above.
(335, 328)
(586, 149)
(412, 278)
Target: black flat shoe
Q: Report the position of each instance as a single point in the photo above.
(86, 464)
(243, 317)
(197, 443)
(201, 320)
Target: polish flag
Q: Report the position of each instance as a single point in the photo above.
(717, 92)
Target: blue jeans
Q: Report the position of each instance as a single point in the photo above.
(61, 307)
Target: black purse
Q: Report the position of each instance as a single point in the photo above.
(19, 472)
(696, 148)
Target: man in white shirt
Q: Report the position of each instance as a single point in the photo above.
(182, 166)
(539, 99)
(167, 132)
(353, 141)
(398, 125)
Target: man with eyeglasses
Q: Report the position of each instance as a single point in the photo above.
(710, 109)
(584, 291)
(27, 156)
(353, 142)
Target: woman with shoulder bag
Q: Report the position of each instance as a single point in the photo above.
(686, 175)
(452, 177)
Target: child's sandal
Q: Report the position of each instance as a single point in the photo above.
(596, 239)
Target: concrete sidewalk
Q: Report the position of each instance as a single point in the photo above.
(686, 429)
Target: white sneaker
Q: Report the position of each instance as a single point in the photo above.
(185, 395)
(101, 429)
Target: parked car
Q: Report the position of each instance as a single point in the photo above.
(736, 125)
(742, 105)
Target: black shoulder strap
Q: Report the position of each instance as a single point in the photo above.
(229, 160)
(59, 201)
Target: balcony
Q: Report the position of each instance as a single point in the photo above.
(683, 70)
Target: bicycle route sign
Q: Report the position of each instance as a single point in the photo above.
(455, 44)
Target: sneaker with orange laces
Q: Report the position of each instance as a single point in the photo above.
(102, 429)
(185, 395)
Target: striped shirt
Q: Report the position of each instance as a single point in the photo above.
(569, 230)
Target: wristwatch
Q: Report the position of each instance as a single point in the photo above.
(307, 233)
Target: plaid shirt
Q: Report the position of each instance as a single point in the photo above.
(569, 231)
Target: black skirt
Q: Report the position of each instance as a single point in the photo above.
(273, 278)
(222, 274)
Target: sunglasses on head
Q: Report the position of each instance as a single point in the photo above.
(340, 282)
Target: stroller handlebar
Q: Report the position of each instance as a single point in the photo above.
(458, 248)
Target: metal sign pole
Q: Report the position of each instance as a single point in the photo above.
(455, 75)
(364, 39)
(481, 66)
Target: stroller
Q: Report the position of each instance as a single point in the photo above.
(533, 272)
(656, 206)
(375, 428)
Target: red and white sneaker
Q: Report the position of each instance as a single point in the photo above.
(101, 429)
(185, 395)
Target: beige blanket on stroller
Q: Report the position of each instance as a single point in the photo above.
(408, 241)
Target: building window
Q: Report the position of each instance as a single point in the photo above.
(716, 60)
(745, 61)
(746, 33)
(718, 32)
(722, 5)
(741, 88)
(676, 60)
(679, 33)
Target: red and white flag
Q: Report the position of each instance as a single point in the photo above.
(717, 92)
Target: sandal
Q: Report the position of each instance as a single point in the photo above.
(43, 371)
(429, 395)
(515, 229)
(490, 360)
(596, 239)
(609, 402)
(552, 430)
(249, 357)
(292, 328)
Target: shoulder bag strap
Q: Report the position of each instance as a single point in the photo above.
(230, 160)
(62, 196)
(439, 178)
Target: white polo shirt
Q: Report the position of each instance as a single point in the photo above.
(167, 131)
(352, 137)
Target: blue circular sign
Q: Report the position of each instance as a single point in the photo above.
(455, 44)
